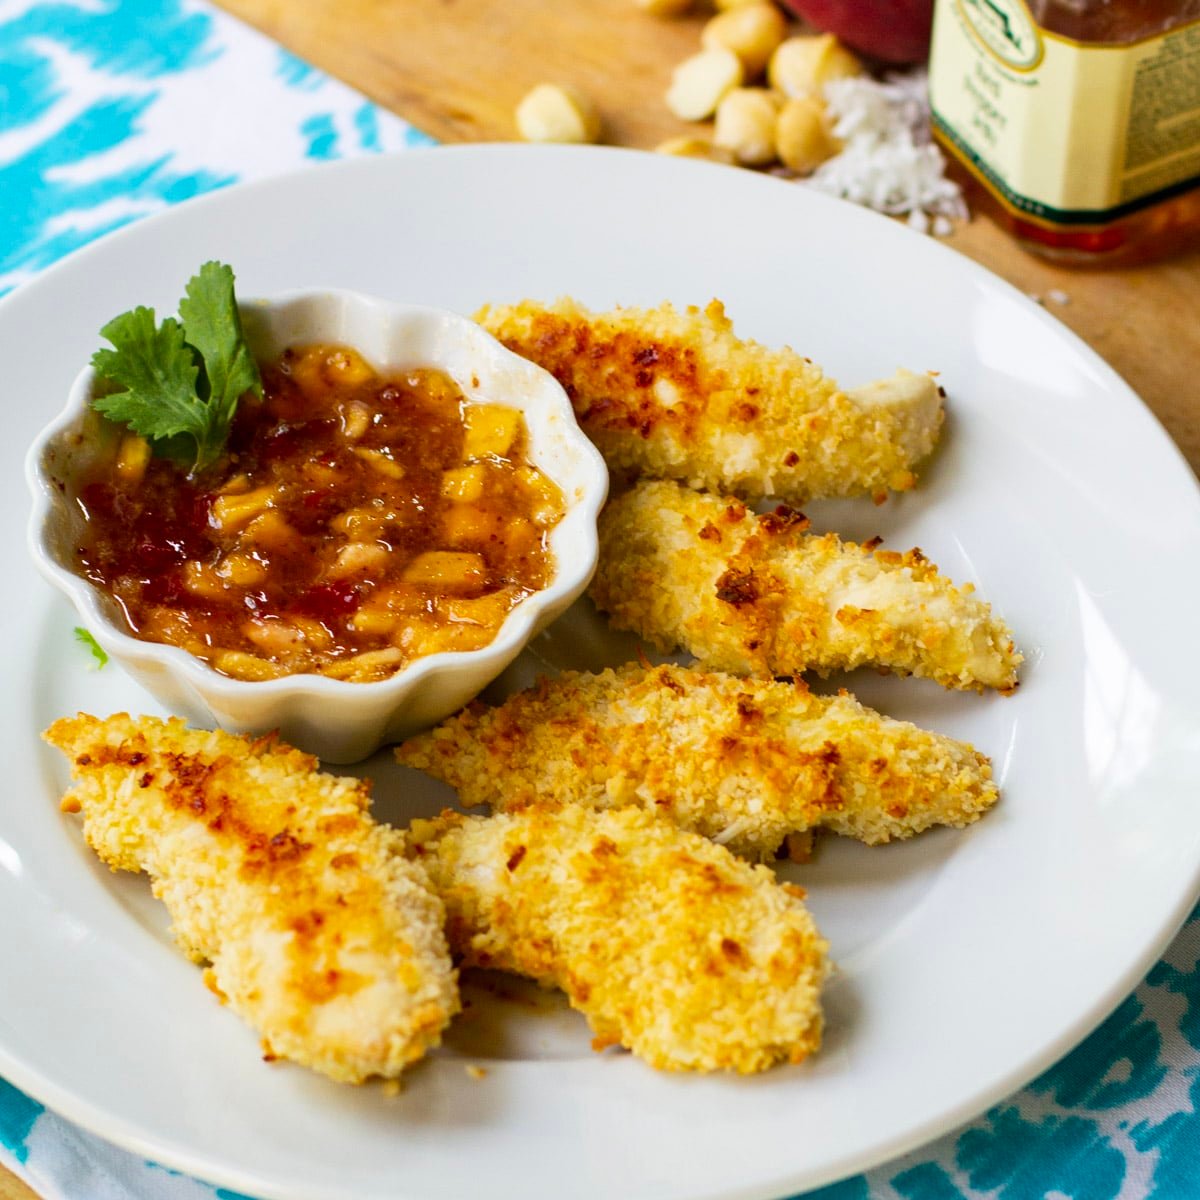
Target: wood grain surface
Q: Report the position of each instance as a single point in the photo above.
(11, 1188)
(456, 69)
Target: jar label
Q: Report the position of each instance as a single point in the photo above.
(1063, 131)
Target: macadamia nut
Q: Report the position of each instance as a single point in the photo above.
(752, 32)
(745, 126)
(699, 83)
(802, 136)
(552, 113)
(802, 66)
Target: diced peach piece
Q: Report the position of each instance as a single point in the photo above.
(416, 637)
(489, 610)
(373, 664)
(239, 483)
(308, 370)
(271, 532)
(169, 625)
(386, 608)
(133, 456)
(448, 571)
(383, 463)
(459, 637)
(521, 537)
(491, 429)
(362, 524)
(242, 570)
(202, 580)
(246, 666)
(464, 524)
(401, 598)
(347, 367)
(314, 633)
(375, 622)
(547, 499)
(464, 484)
(230, 513)
(531, 480)
(320, 475)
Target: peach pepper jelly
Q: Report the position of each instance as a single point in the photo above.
(1079, 120)
(353, 524)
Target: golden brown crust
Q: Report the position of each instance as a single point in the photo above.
(743, 761)
(320, 934)
(676, 395)
(668, 944)
(759, 595)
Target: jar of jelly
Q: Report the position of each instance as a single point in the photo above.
(1078, 119)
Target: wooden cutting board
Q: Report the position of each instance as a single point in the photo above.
(11, 1188)
(456, 69)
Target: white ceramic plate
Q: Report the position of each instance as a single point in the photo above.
(969, 961)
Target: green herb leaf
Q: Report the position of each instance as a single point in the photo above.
(181, 382)
(213, 326)
(158, 371)
(84, 638)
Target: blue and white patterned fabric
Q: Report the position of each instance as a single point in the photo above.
(108, 112)
(113, 109)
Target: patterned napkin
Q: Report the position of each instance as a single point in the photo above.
(112, 109)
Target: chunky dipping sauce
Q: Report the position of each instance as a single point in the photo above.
(353, 524)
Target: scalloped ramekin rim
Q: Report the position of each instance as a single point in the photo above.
(585, 494)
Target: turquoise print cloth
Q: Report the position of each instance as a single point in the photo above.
(113, 109)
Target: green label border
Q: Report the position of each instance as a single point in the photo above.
(1047, 212)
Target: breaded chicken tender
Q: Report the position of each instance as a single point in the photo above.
(745, 762)
(320, 932)
(666, 943)
(759, 595)
(676, 395)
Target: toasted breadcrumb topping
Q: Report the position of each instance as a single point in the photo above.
(747, 762)
(320, 934)
(670, 394)
(667, 943)
(759, 595)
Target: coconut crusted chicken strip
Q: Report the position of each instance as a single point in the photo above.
(745, 762)
(759, 595)
(667, 944)
(321, 934)
(676, 395)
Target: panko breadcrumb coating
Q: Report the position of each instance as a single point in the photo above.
(321, 934)
(676, 395)
(742, 761)
(759, 595)
(667, 943)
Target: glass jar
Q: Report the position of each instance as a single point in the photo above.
(1078, 119)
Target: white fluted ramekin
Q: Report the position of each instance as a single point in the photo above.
(336, 720)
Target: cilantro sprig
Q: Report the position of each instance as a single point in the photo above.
(180, 381)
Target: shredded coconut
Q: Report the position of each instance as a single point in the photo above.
(889, 162)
